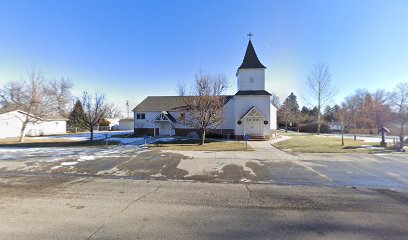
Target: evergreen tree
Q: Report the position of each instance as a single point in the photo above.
(328, 114)
(76, 117)
(289, 112)
(305, 111)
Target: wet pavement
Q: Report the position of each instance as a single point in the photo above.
(264, 165)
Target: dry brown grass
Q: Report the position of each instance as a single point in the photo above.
(193, 145)
(309, 143)
(51, 142)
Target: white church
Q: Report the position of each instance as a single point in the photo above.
(248, 112)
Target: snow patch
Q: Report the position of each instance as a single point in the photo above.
(85, 158)
(68, 163)
(166, 139)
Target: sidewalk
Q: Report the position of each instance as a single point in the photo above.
(264, 149)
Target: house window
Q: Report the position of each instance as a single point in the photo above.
(140, 116)
(251, 80)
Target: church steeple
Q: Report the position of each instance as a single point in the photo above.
(251, 73)
(251, 59)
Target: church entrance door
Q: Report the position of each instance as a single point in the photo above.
(253, 126)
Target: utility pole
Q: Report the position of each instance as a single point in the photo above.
(127, 108)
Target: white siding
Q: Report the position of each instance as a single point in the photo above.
(12, 122)
(10, 126)
(273, 122)
(148, 122)
(244, 103)
(229, 117)
(126, 124)
(52, 127)
(244, 79)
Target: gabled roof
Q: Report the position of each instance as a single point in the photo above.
(165, 103)
(252, 112)
(251, 59)
(253, 92)
(164, 116)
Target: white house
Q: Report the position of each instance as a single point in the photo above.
(113, 123)
(248, 112)
(126, 124)
(334, 126)
(12, 122)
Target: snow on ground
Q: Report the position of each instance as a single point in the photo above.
(362, 138)
(98, 135)
(85, 158)
(165, 139)
(68, 163)
(126, 140)
(73, 155)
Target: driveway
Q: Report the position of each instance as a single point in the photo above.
(264, 164)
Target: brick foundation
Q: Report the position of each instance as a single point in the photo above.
(145, 131)
(185, 131)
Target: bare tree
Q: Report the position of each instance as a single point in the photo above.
(354, 104)
(204, 106)
(399, 101)
(320, 89)
(36, 97)
(28, 96)
(275, 101)
(112, 111)
(13, 96)
(59, 92)
(381, 109)
(94, 110)
(341, 116)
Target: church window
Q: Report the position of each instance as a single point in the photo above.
(140, 116)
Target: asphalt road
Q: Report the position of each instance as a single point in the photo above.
(265, 165)
(58, 207)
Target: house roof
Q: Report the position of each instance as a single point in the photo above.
(251, 59)
(253, 92)
(51, 118)
(164, 103)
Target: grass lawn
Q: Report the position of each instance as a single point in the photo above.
(310, 143)
(193, 145)
(52, 142)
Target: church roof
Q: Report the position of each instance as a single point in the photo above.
(251, 59)
(253, 92)
(165, 103)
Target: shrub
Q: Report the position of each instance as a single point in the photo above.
(312, 127)
(214, 135)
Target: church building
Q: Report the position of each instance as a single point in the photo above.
(248, 112)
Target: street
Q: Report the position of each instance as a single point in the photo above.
(95, 208)
(129, 192)
(264, 164)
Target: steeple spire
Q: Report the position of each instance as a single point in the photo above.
(251, 59)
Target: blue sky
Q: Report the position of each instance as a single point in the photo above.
(131, 49)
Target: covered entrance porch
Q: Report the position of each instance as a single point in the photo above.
(164, 123)
(253, 124)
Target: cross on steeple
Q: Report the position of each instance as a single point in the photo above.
(250, 35)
